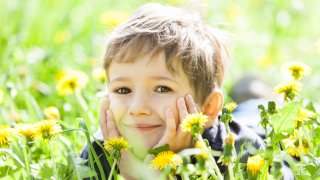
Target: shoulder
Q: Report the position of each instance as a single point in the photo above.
(217, 133)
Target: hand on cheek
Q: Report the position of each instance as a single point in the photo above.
(106, 119)
(173, 134)
(110, 130)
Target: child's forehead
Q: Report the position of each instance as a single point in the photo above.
(172, 65)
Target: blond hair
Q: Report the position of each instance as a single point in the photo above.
(182, 36)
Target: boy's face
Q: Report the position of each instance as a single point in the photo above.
(139, 92)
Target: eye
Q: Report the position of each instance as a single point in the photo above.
(163, 89)
(122, 90)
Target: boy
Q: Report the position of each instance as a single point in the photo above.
(162, 64)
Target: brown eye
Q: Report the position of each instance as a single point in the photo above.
(123, 91)
(163, 89)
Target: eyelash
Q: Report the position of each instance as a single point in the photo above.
(122, 88)
(163, 87)
(159, 89)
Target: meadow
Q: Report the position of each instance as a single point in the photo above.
(45, 45)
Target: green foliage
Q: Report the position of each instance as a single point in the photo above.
(40, 39)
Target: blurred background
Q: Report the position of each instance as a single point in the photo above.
(39, 40)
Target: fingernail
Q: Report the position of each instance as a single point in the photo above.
(180, 100)
(189, 97)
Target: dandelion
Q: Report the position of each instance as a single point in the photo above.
(292, 145)
(51, 112)
(116, 144)
(298, 70)
(60, 37)
(70, 82)
(26, 130)
(99, 74)
(254, 164)
(231, 106)
(193, 123)
(46, 130)
(226, 113)
(227, 156)
(5, 134)
(165, 159)
(289, 90)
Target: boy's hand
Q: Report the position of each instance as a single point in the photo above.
(106, 119)
(109, 129)
(173, 134)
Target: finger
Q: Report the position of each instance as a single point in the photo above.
(183, 112)
(170, 130)
(182, 108)
(111, 125)
(191, 105)
(103, 116)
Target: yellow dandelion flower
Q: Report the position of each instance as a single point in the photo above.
(46, 130)
(113, 18)
(289, 90)
(292, 145)
(116, 144)
(254, 164)
(1, 96)
(61, 36)
(28, 130)
(71, 81)
(298, 70)
(193, 123)
(231, 106)
(5, 134)
(51, 112)
(99, 74)
(165, 159)
(305, 115)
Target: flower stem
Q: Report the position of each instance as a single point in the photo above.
(53, 161)
(234, 154)
(230, 170)
(112, 169)
(211, 159)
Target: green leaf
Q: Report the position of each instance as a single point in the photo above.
(272, 107)
(158, 150)
(284, 122)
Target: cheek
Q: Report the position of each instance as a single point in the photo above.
(118, 108)
(162, 103)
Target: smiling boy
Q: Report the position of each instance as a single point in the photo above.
(162, 64)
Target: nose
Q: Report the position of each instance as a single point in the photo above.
(139, 105)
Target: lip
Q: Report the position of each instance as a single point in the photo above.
(143, 127)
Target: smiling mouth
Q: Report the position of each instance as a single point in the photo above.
(144, 128)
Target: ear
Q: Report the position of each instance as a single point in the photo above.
(213, 104)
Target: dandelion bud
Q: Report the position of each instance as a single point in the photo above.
(227, 157)
(52, 113)
(254, 165)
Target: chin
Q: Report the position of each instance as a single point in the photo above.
(141, 143)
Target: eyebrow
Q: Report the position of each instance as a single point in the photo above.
(163, 78)
(158, 78)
